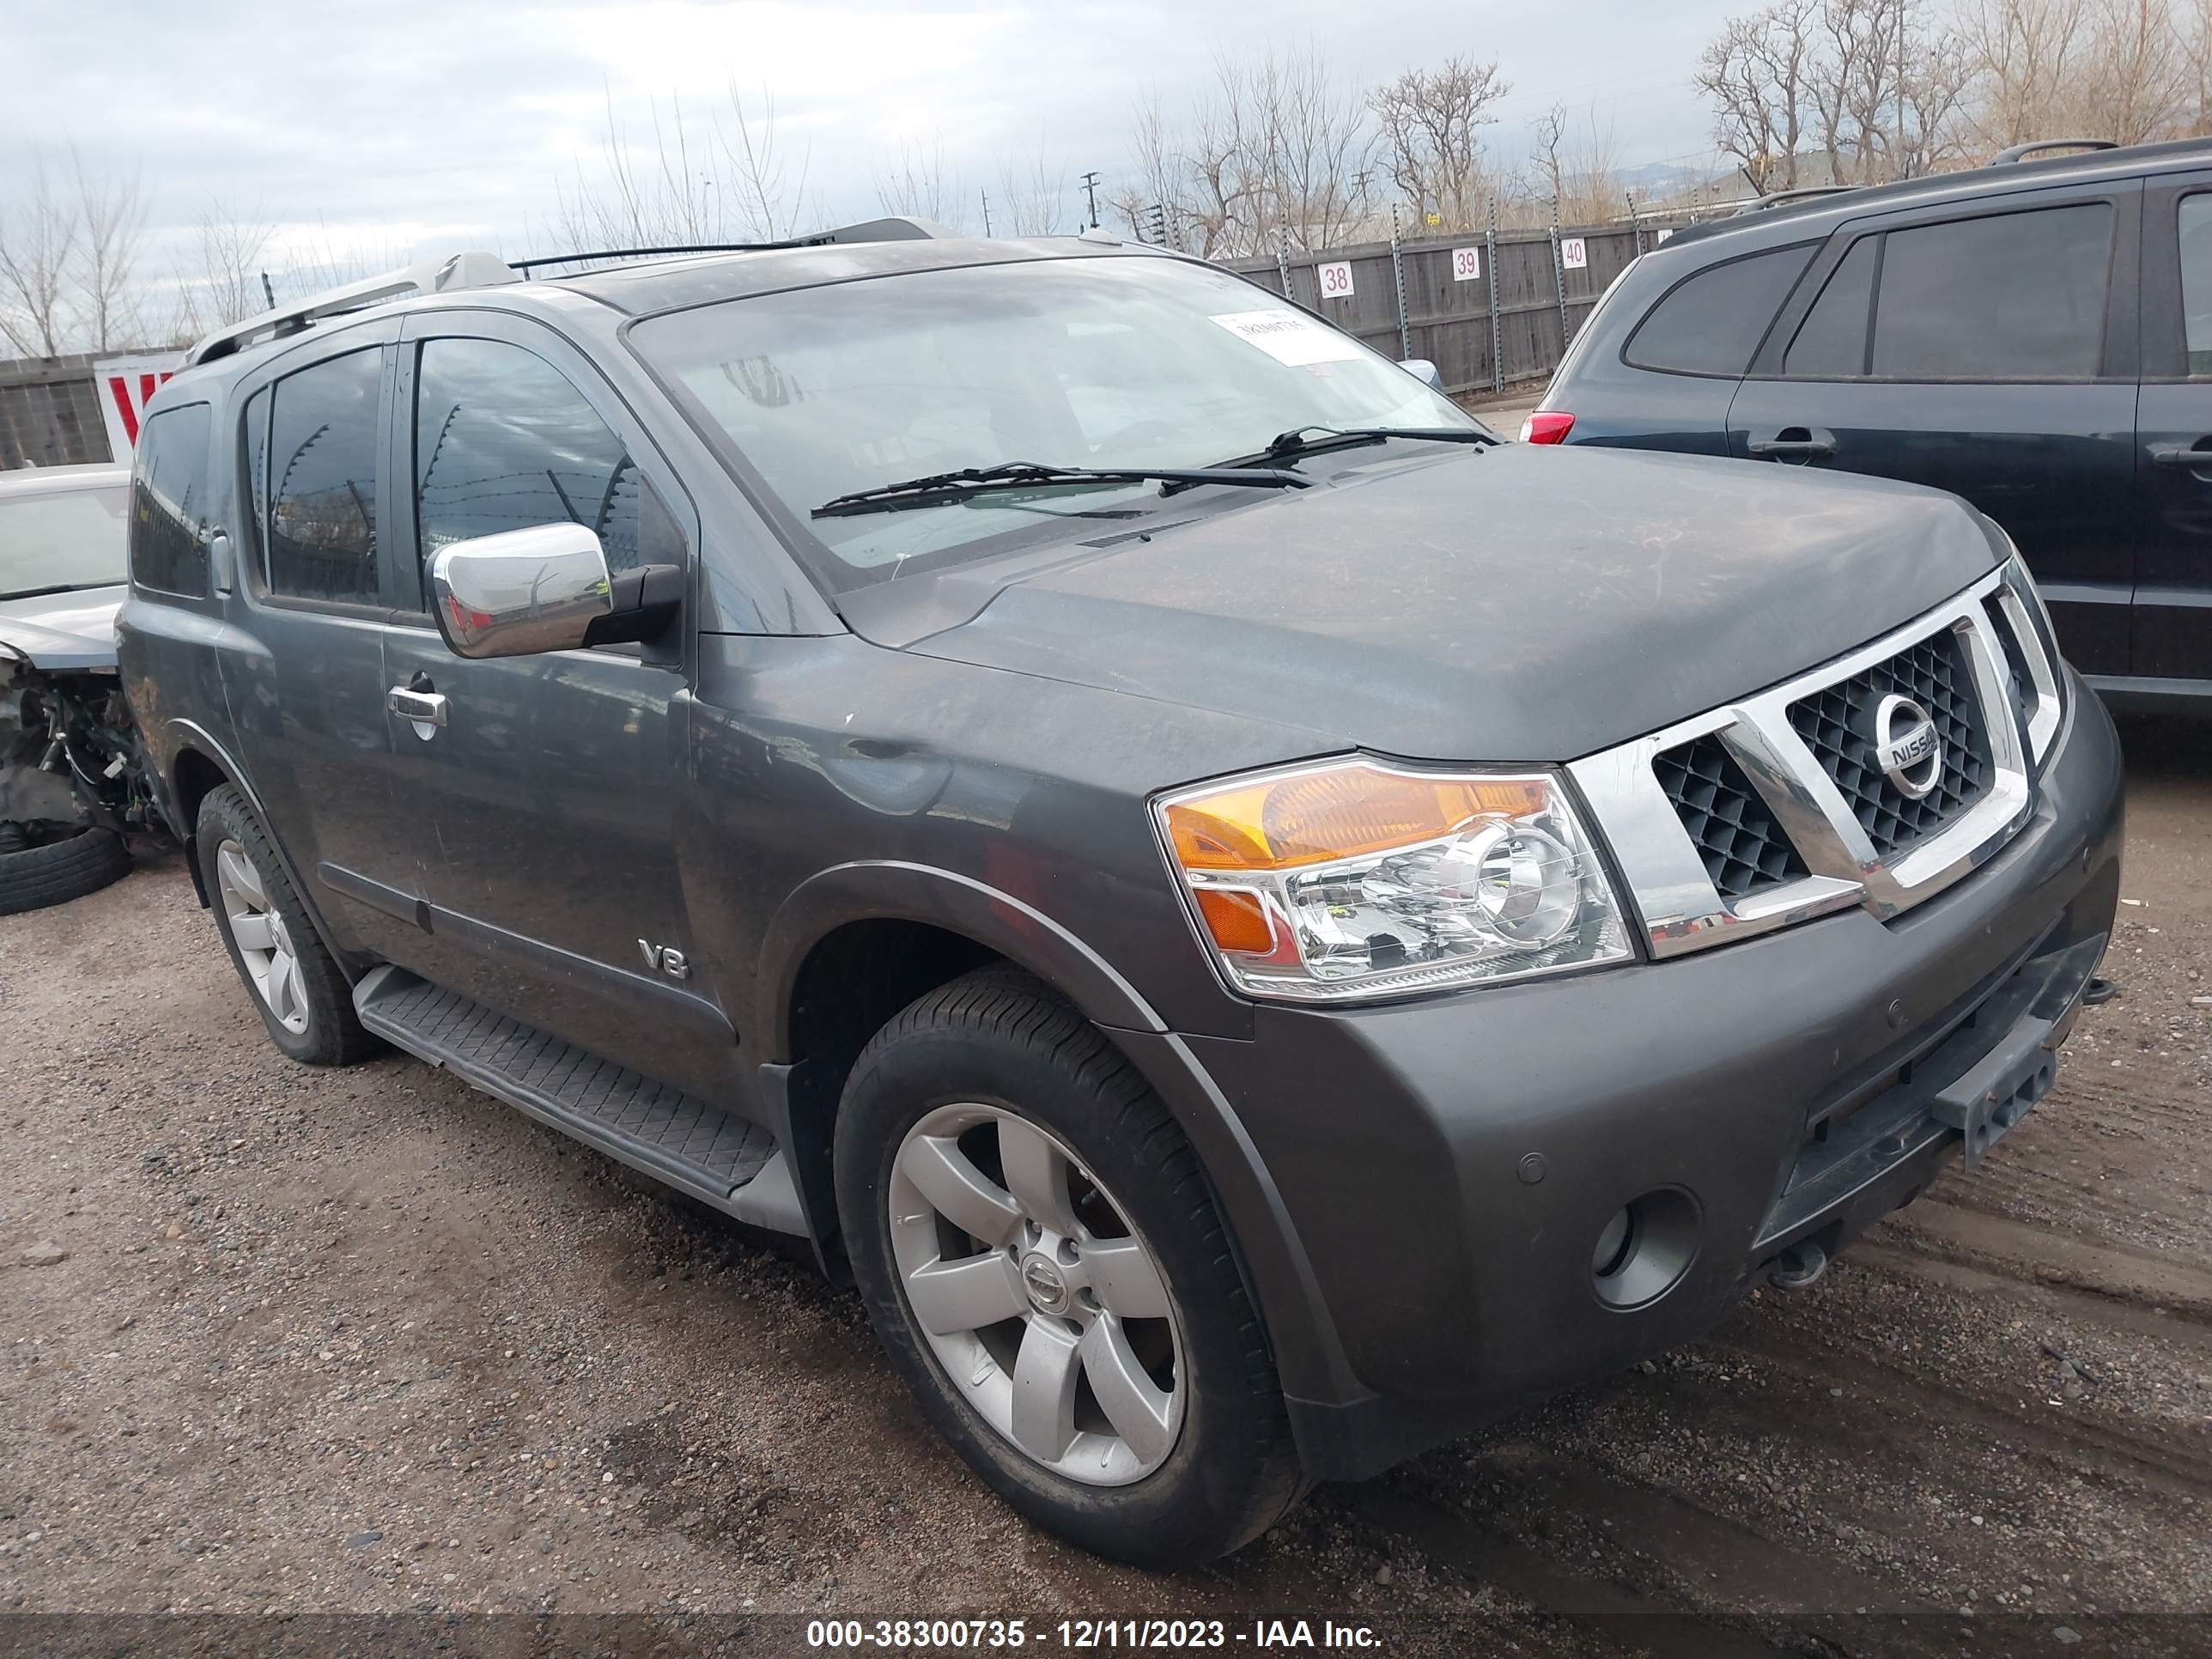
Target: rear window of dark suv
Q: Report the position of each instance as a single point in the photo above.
(1711, 323)
(169, 527)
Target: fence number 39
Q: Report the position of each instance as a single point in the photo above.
(1335, 278)
(1467, 264)
(1573, 253)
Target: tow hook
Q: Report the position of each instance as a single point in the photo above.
(2099, 991)
(1799, 1265)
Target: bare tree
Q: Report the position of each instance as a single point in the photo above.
(2197, 47)
(2022, 54)
(2142, 79)
(38, 245)
(1757, 74)
(227, 287)
(1033, 199)
(1431, 141)
(769, 201)
(915, 183)
(111, 231)
(1570, 177)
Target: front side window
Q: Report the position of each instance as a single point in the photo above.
(503, 441)
(2017, 296)
(169, 528)
(2196, 231)
(322, 481)
(1713, 322)
(55, 541)
(1094, 362)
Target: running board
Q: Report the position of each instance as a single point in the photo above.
(717, 1156)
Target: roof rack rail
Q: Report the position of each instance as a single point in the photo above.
(2005, 158)
(900, 227)
(474, 269)
(1803, 193)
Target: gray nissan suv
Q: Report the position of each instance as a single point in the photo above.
(1257, 924)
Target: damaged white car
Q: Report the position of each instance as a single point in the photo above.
(70, 778)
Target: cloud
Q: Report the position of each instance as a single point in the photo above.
(415, 124)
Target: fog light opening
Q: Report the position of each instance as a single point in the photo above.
(1644, 1249)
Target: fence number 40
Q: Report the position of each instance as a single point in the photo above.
(1335, 278)
(1467, 264)
(1573, 253)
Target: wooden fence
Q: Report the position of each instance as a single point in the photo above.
(1490, 309)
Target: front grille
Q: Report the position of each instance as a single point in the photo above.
(1837, 725)
(1744, 849)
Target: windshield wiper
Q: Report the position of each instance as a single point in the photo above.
(941, 488)
(1319, 439)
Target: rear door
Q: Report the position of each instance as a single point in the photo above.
(2172, 612)
(303, 670)
(1989, 349)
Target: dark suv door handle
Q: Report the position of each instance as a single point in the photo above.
(1794, 443)
(2187, 458)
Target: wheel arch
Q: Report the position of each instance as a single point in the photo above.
(947, 925)
(198, 765)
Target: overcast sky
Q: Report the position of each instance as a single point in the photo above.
(412, 126)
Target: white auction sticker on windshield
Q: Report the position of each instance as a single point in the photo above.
(1289, 337)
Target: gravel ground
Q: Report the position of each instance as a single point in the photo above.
(285, 1341)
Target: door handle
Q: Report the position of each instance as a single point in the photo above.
(423, 707)
(2185, 457)
(1794, 443)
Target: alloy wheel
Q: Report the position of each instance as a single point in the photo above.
(1045, 1309)
(263, 944)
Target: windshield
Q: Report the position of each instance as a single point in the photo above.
(1095, 362)
(70, 538)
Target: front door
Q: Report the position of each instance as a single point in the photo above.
(2172, 612)
(552, 780)
(1992, 356)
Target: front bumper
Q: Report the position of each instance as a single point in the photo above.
(1448, 1166)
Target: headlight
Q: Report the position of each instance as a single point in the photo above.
(1351, 879)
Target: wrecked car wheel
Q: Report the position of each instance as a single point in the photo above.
(34, 876)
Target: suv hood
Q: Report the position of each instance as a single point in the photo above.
(60, 632)
(1515, 603)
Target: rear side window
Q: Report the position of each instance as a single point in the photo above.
(322, 481)
(2017, 297)
(503, 441)
(169, 528)
(1832, 342)
(1711, 323)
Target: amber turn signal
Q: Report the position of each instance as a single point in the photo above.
(1342, 812)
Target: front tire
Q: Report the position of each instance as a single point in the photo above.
(1040, 1254)
(297, 986)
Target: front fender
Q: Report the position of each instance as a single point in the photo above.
(1309, 1359)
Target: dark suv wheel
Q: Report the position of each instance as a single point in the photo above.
(1042, 1257)
(297, 988)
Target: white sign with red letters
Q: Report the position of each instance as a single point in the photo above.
(1467, 264)
(1335, 277)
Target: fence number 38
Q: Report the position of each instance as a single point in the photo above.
(1335, 278)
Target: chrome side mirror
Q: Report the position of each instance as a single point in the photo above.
(1424, 371)
(521, 592)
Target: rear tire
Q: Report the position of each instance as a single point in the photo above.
(294, 983)
(37, 876)
(1152, 1316)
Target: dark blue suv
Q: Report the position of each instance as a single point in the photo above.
(2035, 336)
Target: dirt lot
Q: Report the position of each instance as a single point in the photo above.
(368, 1342)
